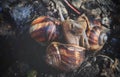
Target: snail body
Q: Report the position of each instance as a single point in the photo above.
(44, 29)
(65, 57)
(70, 33)
(75, 31)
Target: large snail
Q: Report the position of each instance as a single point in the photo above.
(65, 57)
(45, 29)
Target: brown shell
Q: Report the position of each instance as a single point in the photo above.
(44, 29)
(39, 20)
(65, 57)
(94, 38)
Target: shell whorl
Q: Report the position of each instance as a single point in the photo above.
(44, 29)
(97, 38)
(65, 57)
(102, 38)
(94, 35)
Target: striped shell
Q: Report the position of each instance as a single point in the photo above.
(97, 38)
(65, 57)
(44, 29)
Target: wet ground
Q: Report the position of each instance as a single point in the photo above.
(22, 56)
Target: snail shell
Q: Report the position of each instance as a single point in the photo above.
(44, 29)
(65, 57)
(97, 38)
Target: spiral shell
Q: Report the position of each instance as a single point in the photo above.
(44, 29)
(65, 57)
(97, 38)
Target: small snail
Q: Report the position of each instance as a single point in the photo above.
(65, 57)
(44, 29)
(97, 38)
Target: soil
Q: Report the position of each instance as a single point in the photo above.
(22, 56)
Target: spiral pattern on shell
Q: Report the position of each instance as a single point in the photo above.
(96, 38)
(44, 29)
(65, 57)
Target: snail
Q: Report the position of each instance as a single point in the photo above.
(97, 38)
(84, 33)
(65, 57)
(45, 29)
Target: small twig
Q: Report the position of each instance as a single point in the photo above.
(60, 12)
